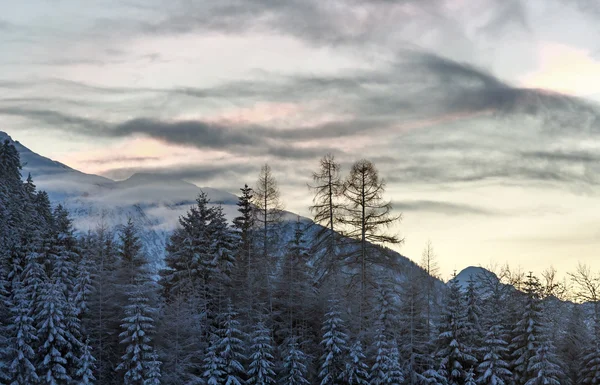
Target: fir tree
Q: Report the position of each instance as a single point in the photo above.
(56, 350)
(188, 251)
(474, 331)
(153, 374)
(527, 333)
(261, 356)
(86, 366)
(294, 365)
(214, 365)
(22, 336)
(356, 371)
(386, 368)
(543, 367)
(334, 345)
(230, 347)
(137, 326)
(493, 370)
(452, 353)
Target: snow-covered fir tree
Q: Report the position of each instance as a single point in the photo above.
(213, 365)
(543, 367)
(22, 338)
(493, 369)
(55, 351)
(294, 371)
(261, 366)
(230, 347)
(138, 326)
(86, 366)
(527, 333)
(356, 371)
(452, 353)
(334, 346)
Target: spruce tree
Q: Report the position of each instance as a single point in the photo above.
(138, 326)
(452, 352)
(22, 336)
(153, 374)
(493, 370)
(474, 335)
(260, 369)
(56, 350)
(543, 367)
(356, 371)
(86, 366)
(214, 365)
(230, 347)
(243, 224)
(335, 347)
(527, 333)
(294, 364)
(574, 344)
(413, 335)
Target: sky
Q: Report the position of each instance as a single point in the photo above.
(481, 116)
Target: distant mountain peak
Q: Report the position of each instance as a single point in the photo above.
(476, 273)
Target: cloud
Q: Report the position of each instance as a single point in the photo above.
(117, 159)
(440, 207)
(205, 173)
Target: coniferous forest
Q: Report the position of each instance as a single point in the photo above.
(268, 300)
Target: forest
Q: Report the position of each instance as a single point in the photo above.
(268, 300)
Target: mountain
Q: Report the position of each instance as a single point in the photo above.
(154, 201)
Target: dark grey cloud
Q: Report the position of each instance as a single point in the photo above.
(114, 159)
(196, 133)
(440, 207)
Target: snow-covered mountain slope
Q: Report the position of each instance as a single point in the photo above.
(154, 202)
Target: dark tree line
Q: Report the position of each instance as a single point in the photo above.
(269, 300)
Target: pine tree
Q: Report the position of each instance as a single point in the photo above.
(261, 356)
(138, 325)
(294, 365)
(356, 371)
(334, 345)
(452, 353)
(230, 347)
